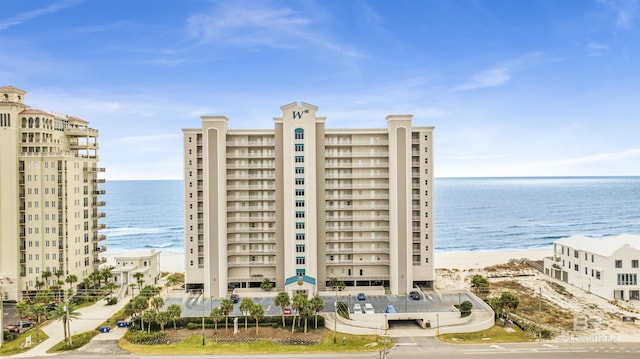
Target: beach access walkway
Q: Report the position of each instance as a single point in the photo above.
(90, 318)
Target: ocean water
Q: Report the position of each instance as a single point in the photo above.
(471, 214)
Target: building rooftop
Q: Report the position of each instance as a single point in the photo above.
(35, 112)
(605, 246)
(136, 254)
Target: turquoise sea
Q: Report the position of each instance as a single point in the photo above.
(471, 214)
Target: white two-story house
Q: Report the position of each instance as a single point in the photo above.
(608, 267)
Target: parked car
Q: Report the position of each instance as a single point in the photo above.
(123, 323)
(235, 298)
(357, 309)
(368, 309)
(415, 295)
(286, 311)
(51, 306)
(361, 296)
(390, 309)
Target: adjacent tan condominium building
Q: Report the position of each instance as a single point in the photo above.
(304, 200)
(49, 197)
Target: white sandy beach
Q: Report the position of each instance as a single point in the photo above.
(476, 260)
(174, 262)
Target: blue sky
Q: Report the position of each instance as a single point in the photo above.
(514, 88)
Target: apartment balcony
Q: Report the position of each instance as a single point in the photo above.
(251, 208)
(246, 263)
(348, 142)
(99, 238)
(99, 215)
(355, 196)
(250, 230)
(98, 203)
(99, 260)
(99, 226)
(266, 155)
(258, 252)
(79, 131)
(76, 145)
(245, 240)
(251, 198)
(359, 217)
(369, 164)
(357, 250)
(93, 169)
(356, 262)
(99, 192)
(248, 187)
(246, 176)
(99, 180)
(265, 143)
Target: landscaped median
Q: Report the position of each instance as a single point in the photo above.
(276, 341)
(495, 334)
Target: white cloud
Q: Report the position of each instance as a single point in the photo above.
(596, 48)
(625, 11)
(20, 18)
(488, 78)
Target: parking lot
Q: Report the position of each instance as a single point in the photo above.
(194, 305)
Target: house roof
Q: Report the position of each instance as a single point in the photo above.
(11, 88)
(34, 112)
(136, 254)
(605, 246)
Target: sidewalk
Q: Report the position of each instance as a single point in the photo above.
(90, 318)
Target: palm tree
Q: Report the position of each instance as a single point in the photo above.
(336, 285)
(110, 287)
(174, 311)
(245, 308)
(257, 312)
(306, 312)
(71, 278)
(106, 274)
(22, 309)
(216, 315)
(59, 273)
(65, 312)
(149, 316)
(39, 311)
(162, 318)
(139, 305)
(139, 279)
(157, 303)
(132, 285)
(316, 305)
(45, 277)
(282, 300)
(299, 302)
(226, 306)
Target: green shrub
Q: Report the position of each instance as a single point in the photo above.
(145, 338)
(465, 308)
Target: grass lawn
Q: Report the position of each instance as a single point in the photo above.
(193, 345)
(78, 340)
(13, 347)
(495, 334)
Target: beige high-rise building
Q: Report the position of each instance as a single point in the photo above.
(49, 196)
(302, 200)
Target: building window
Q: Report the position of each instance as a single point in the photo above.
(299, 248)
(299, 214)
(618, 263)
(299, 225)
(634, 263)
(300, 260)
(300, 272)
(299, 134)
(299, 159)
(299, 181)
(299, 192)
(576, 253)
(299, 170)
(597, 274)
(576, 267)
(592, 258)
(300, 236)
(299, 147)
(300, 203)
(627, 279)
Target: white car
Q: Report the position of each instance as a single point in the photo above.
(368, 309)
(357, 309)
